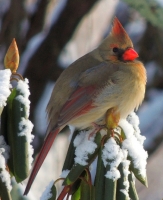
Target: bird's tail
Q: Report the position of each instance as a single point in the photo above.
(41, 157)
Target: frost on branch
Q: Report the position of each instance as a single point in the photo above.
(4, 86)
(25, 125)
(6, 148)
(4, 175)
(23, 88)
(126, 172)
(84, 147)
(114, 155)
(133, 143)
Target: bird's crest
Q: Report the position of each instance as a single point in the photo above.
(120, 34)
(117, 28)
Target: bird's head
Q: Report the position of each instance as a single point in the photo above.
(118, 46)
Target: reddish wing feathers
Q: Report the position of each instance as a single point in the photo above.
(41, 157)
(79, 103)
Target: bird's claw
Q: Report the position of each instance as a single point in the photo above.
(97, 128)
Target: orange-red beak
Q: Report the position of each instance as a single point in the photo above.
(130, 54)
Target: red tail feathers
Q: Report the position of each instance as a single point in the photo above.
(41, 157)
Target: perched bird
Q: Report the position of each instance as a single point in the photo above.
(108, 77)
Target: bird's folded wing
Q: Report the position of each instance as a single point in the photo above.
(79, 103)
(81, 100)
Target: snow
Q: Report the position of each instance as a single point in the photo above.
(111, 151)
(126, 172)
(126, 164)
(24, 101)
(134, 145)
(64, 173)
(25, 128)
(112, 155)
(134, 121)
(84, 146)
(4, 146)
(23, 88)
(137, 153)
(4, 175)
(25, 125)
(113, 174)
(124, 191)
(47, 193)
(4, 86)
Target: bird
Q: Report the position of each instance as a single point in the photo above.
(108, 77)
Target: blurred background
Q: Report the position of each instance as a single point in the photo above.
(51, 34)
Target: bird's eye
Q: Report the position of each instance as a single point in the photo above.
(115, 49)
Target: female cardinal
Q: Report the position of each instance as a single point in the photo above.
(109, 77)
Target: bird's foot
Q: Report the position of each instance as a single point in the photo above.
(112, 132)
(97, 128)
